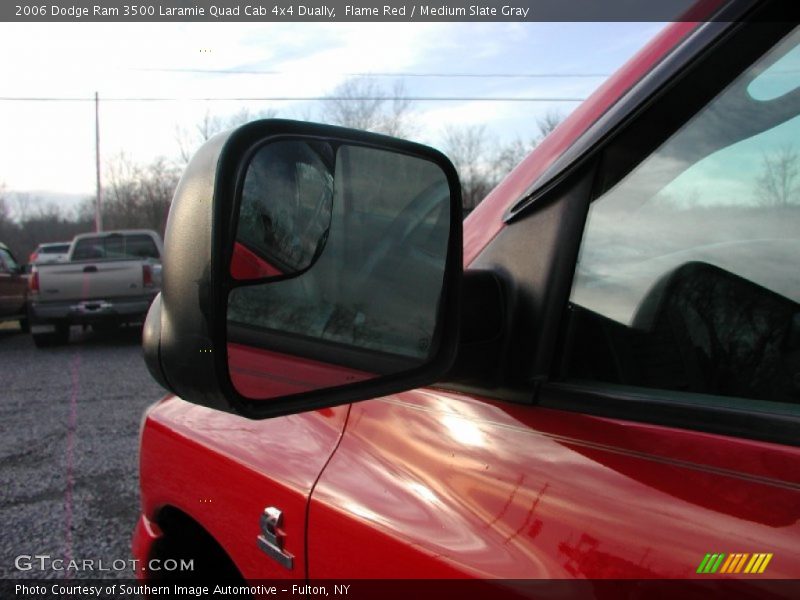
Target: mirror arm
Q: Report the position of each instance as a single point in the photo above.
(483, 321)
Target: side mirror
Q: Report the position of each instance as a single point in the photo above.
(307, 266)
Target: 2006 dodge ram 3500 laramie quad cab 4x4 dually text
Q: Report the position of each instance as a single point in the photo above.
(601, 380)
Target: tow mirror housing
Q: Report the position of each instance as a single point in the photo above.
(307, 266)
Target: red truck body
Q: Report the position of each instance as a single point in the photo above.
(432, 483)
(13, 289)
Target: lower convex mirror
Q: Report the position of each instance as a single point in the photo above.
(285, 209)
(340, 265)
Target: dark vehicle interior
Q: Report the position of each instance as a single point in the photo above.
(699, 329)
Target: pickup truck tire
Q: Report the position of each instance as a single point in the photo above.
(57, 338)
(106, 326)
(43, 340)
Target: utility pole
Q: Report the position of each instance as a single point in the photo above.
(98, 211)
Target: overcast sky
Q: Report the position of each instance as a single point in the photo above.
(49, 145)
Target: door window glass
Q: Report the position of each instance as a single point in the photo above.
(688, 273)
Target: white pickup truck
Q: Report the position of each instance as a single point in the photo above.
(110, 278)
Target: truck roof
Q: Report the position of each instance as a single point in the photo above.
(116, 232)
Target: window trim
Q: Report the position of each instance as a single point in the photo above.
(687, 411)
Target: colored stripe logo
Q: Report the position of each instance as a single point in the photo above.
(737, 562)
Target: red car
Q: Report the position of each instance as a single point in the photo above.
(603, 381)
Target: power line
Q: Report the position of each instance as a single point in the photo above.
(381, 74)
(295, 99)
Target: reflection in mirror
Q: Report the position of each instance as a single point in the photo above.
(368, 305)
(285, 210)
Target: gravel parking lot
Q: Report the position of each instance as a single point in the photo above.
(69, 423)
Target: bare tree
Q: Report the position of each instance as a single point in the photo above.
(469, 149)
(361, 103)
(547, 123)
(189, 140)
(6, 224)
(3, 203)
(22, 205)
(44, 223)
(511, 154)
(137, 196)
(779, 182)
(481, 164)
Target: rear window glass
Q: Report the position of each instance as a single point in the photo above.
(60, 249)
(115, 247)
(7, 259)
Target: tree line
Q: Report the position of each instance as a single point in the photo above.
(26, 223)
(138, 195)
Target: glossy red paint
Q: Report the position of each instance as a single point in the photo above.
(449, 485)
(246, 264)
(145, 535)
(223, 471)
(286, 374)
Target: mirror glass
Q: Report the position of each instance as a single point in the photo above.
(284, 211)
(367, 304)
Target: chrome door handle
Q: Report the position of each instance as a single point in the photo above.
(272, 537)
